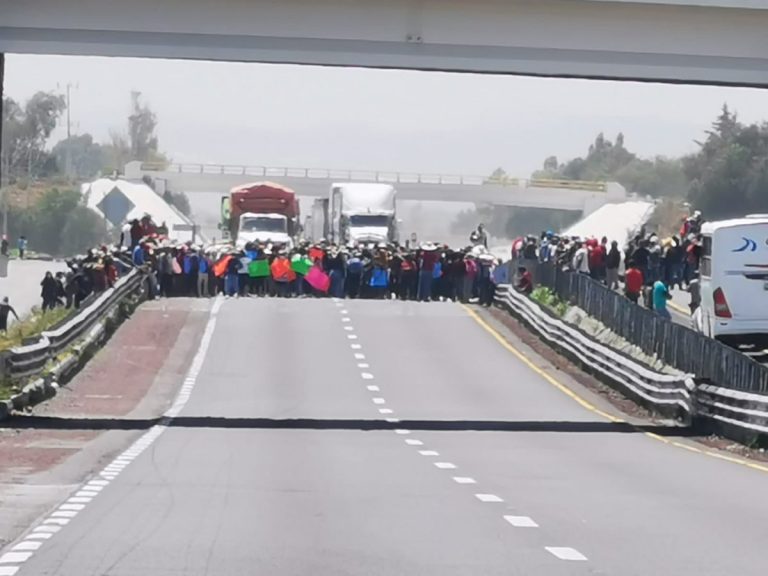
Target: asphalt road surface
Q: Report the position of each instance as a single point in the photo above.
(22, 285)
(384, 438)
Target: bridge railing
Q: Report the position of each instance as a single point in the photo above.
(369, 176)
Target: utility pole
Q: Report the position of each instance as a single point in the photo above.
(68, 148)
(3, 199)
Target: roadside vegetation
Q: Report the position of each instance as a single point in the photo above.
(549, 299)
(34, 323)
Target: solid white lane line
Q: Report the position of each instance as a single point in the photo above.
(359, 356)
(373, 388)
(26, 546)
(565, 553)
(15, 557)
(363, 365)
(445, 465)
(379, 401)
(464, 480)
(413, 442)
(385, 410)
(521, 521)
(429, 453)
(488, 498)
(366, 375)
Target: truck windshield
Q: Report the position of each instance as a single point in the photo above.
(369, 220)
(263, 225)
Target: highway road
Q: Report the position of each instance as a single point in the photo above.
(22, 285)
(313, 437)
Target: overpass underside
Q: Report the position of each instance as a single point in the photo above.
(707, 41)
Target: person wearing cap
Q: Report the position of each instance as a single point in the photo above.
(5, 309)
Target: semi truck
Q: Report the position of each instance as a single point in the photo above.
(318, 228)
(261, 212)
(362, 213)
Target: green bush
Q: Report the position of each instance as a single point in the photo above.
(549, 299)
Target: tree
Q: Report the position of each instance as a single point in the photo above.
(729, 173)
(83, 230)
(179, 200)
(608, 161)
(141, 132)
(85, 155)
(25, 133)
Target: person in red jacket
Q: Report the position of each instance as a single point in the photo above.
(633, 282)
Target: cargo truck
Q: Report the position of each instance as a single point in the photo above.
(261, 212)
(363, 213)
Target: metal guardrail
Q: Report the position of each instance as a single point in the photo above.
(743, 415)
(29, 360)
(675, 345)
(369, 176)
(667, 394)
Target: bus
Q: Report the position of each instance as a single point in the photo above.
(734, 281)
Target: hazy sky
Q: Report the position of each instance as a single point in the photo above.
(280, 115)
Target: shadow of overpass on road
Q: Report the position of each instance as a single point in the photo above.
(361, 425)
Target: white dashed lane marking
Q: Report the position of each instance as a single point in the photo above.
(565, 553)
(15, 557)
(488, 498)
(521, 521)
(8, 570)
(26, 546)
(464, 480)
(392, 420)
(561, 552)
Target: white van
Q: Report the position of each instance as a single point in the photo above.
(734, 280)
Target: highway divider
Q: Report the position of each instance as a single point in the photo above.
(59, 353)
(693, 400)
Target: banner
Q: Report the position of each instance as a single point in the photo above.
(258, 269)
(318, 279)
(281, 270)
(379, 278)
(301, 264)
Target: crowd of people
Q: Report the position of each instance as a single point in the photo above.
(383, 271)
(652, 265)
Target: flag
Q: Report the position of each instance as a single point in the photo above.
(258, 269)
(220, 268)
(318, 279)
(301, 264)
(281, 270)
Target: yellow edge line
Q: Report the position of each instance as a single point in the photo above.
(678, 308)
(591, 407)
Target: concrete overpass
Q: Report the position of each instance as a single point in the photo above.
(553, 194)
(706, 41)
